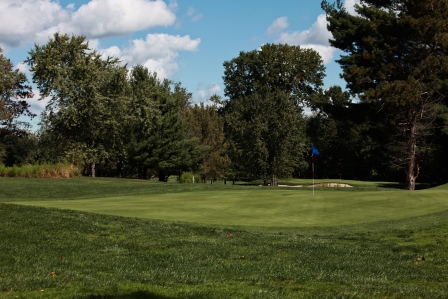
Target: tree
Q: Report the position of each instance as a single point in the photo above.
(143, 116)
(263, 115)
(350, 136)
(170, 145)
(291, 69)
(13, 95)
(395, 56)
(266, 135)
(84, 91)
(207, 126)
(155, 129)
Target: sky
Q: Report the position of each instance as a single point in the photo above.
(183, 40)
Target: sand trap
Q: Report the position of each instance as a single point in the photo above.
(332, 185)
(337, 185)
(295, 186)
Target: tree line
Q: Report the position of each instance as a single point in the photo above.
(389, 124)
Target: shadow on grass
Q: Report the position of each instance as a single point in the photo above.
(133, 295)
(418, 186)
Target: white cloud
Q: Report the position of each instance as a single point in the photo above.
(113, 51)
(71, 6)
(94, 44)
(36, 105)
(278, 26)
(100, 18)
(158, 52)
(23, 68)
(21, 20)
(316, 35)
(173, 5)
(197, 17)
(192, 14)
(205, 92)
(315, 38)
(349, 5)
(30, 21)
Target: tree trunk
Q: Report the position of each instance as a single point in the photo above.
(413, 168)
(161, 176)
(92, 169)
(119, 170)
(274, 181)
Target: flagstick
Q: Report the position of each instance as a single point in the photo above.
(312, 165)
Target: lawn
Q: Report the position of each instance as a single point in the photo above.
(265, 206)
(137, 239)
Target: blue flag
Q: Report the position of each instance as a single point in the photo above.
(314, 150)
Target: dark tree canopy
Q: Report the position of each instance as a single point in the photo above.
(395, 50)
(395, 54)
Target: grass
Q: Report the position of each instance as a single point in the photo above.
(55, 253)
(265, 206)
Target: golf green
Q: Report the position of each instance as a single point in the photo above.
(266, 207)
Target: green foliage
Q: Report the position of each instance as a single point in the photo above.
(264, 126)
(207, 126)
(291, 69)
(188, 178)
(155, 134)
(13, 95)
(170, 148)
(20, 149)
(143, 115)
(266, 135)
(85, 92)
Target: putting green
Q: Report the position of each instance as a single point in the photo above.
(266, 207)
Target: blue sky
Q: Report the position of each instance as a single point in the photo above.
(185, 41)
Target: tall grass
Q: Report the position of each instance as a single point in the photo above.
(59, 170)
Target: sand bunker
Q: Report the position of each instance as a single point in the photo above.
(337, 185)
(332, 185)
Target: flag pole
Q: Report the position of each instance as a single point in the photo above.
(312, 167)
(314, 151)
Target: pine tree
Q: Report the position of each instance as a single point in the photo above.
(395, 55)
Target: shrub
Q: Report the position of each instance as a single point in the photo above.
(188, 178)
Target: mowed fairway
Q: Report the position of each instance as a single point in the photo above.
(264, 206)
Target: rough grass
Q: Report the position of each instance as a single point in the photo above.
(54, 253)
